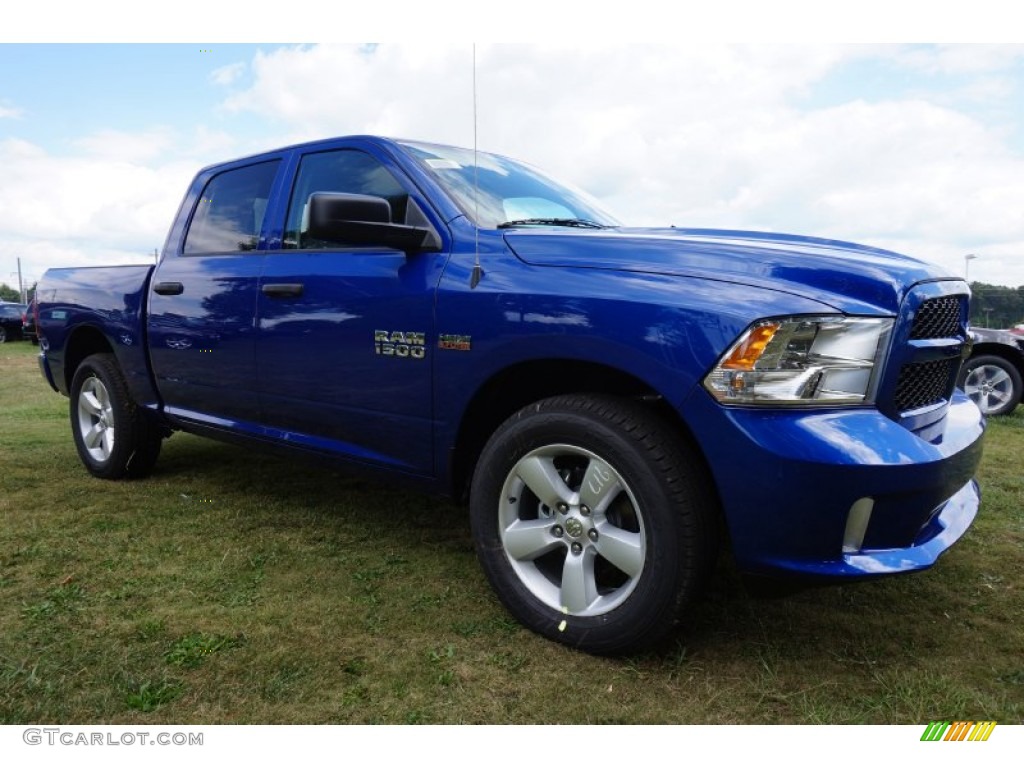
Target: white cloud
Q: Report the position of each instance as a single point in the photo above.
(211, 145)
(332, 90)
(86, 203)
(962, 59)
(38, 255)
(122, 146)
(228, 74)
(717, 136)
(110, 201)
(694, 135)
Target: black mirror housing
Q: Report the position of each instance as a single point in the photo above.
(364, 220)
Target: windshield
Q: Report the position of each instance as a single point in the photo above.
(509, 193)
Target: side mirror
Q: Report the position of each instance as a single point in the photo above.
(364, 220)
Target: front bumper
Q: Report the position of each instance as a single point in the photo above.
(950, 523)
(790, 480)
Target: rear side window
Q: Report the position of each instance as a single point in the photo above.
(229, 215)
(343, 170)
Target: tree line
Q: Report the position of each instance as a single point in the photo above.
(7, 293)
(996, 306)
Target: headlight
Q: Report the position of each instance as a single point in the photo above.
(802, 361)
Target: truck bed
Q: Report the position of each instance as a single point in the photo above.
(110, 301)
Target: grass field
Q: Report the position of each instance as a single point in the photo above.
(238, 587)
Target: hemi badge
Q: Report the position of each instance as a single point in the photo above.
(454, 341)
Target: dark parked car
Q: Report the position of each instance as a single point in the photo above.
(10, 321)
(993, 373)
(28, 323)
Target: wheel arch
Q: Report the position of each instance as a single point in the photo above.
(84, 341)
(522, 383)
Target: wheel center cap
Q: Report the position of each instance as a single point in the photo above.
(574, 527)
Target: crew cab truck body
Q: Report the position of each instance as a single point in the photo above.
(612, 401)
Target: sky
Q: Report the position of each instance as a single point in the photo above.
(914, 147)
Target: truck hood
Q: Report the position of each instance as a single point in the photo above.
(851, 278)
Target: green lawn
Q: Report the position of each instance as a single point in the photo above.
(233, 586)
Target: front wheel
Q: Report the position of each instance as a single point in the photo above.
(114, 437)
(993, 383)
(593, 522)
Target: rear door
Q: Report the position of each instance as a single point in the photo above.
(202, 302)
(343, 341)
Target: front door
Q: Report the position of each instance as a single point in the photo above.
(344, 332)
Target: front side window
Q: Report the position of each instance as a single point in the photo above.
(345, 170)
(229, 215)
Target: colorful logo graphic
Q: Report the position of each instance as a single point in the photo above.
(960, 730)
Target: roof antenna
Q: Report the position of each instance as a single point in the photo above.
(478, 271)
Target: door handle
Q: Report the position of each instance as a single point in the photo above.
(282, 290)
(168, 289)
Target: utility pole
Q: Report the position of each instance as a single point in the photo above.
(21, 285)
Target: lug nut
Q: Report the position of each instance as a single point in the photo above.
(556, 531)
(576, 547)
(592, 533)
(584, 510)
(562, 507)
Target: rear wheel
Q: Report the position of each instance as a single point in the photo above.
(593, 522)
(114, 437)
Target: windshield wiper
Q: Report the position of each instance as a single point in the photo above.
(584, 223)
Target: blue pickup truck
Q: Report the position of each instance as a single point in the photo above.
(615, 404)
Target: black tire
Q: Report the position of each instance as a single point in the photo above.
(3, 335)
(653, 512)
(993, 383)
(114, 437)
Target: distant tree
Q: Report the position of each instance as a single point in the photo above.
(996, 306)
(9, 294)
